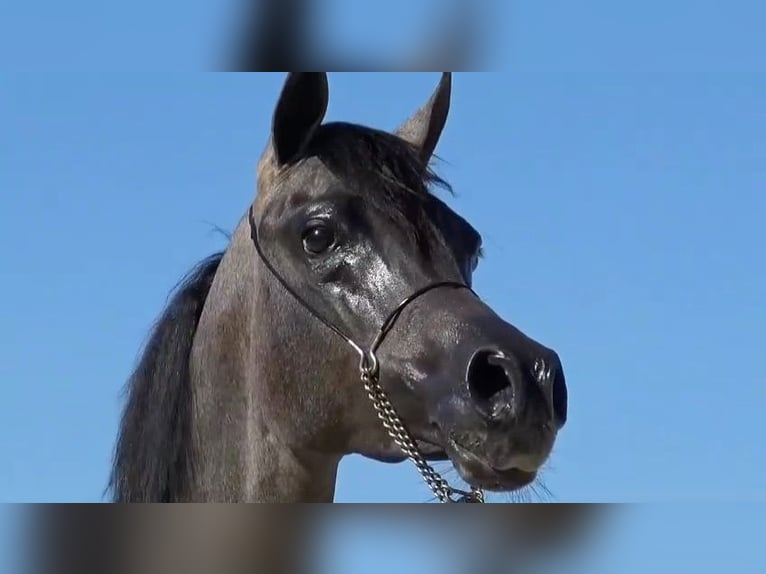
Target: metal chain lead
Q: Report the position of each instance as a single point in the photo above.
(395, 427)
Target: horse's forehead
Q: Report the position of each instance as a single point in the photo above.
(308, 178)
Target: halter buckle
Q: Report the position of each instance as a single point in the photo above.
(368, 364)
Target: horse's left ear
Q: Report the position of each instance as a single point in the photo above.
(301, 108)
(424, 129)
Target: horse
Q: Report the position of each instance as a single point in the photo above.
(339, 320)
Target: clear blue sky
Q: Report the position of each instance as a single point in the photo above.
(616, 169)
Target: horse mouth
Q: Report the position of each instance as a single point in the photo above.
(473, 469)
(479, 473)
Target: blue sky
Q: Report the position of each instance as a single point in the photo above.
(616, 169)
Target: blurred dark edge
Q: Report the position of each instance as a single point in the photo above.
(275, 35)
(275, 539)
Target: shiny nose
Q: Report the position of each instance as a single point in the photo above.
(495, 385)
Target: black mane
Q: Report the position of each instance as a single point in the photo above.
(361, 151)
(153, 455)
(383, 168)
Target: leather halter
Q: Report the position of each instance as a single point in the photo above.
(368, 360)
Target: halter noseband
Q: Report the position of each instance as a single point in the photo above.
(369, 370)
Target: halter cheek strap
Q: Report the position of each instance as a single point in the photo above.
(369, 370)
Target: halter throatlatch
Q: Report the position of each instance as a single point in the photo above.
(369, 370)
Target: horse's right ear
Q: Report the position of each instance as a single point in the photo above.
(300, 110)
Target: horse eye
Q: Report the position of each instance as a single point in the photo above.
(318, 238)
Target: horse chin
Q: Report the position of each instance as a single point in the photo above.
(386, 452)
(478, 473)
(432, 452)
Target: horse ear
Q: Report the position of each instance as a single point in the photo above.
(300, 110)
(424, 128)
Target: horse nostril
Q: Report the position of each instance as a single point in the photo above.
(550, 376)
(487, 377)
(560, 398)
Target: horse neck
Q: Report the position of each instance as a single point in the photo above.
(241, 454)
